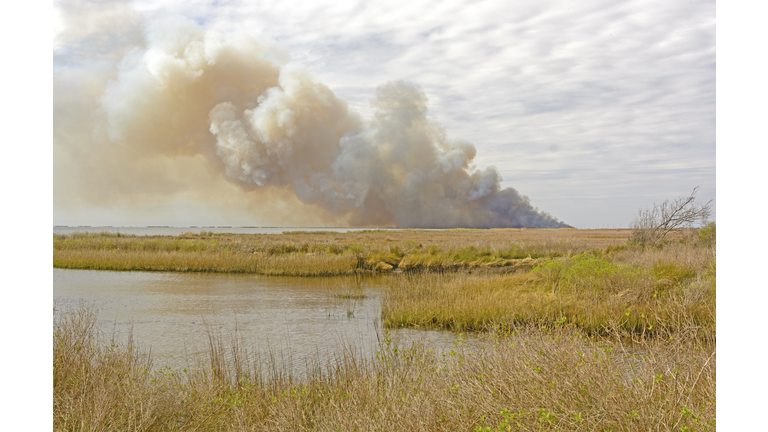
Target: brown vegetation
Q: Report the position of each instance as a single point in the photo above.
(593, 293)
(327, 253)
(581, 330)
(531, 378)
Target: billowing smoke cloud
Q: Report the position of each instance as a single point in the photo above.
(265, 123)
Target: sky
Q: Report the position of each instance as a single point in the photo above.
(592, 110)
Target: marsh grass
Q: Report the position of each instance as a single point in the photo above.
(98, 383)
(288, 264)
(351, 294)
(689, 255)
(525, 378)
(591, 292)
(328, 253)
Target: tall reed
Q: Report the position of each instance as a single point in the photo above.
(528, 378)
(587, 291)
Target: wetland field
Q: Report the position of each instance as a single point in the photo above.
(477, 330)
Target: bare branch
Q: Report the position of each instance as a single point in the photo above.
(652, 225)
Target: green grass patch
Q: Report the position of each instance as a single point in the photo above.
(707, 234)
(591, 275)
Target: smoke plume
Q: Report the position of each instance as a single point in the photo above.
(244, 113)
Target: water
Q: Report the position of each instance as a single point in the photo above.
(297, 321)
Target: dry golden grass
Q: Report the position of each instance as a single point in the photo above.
(501, 238)
(686, 254)
(650, 292)
(466, 303)
(530, 379)
(327, 253)
(289, 264)
(93, 380)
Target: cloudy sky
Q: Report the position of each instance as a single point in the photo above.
(592, 109)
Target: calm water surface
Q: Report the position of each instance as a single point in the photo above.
(300, 321)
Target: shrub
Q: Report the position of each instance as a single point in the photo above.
(707, 234)
(653, 224)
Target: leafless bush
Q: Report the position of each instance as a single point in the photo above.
(653, 224)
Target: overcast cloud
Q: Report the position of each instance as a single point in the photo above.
(592, 109)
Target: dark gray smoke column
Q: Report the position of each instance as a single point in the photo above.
(398, 169)
(415, 177)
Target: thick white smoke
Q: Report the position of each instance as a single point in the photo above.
(262, 121)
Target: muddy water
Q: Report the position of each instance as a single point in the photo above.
(290, 322)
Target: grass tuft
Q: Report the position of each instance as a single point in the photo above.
(518, 378)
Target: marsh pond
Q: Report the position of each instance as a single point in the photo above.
(289, 322)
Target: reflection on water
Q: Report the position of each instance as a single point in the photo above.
(296, 321)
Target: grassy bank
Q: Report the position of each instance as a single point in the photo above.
(328, 253)
(666, 293)
(289, 264)
(534, 378)
(462, 280)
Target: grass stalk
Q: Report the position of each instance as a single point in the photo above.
(525, 378)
